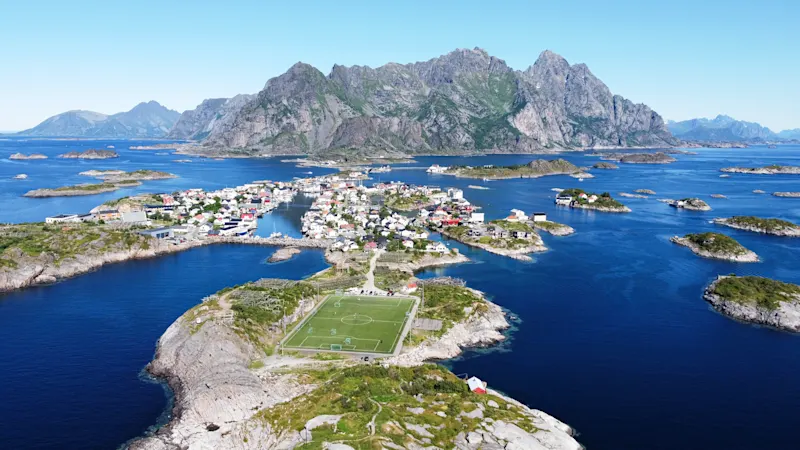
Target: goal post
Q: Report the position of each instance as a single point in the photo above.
(336, 347)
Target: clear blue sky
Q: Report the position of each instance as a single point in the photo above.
(684, 58)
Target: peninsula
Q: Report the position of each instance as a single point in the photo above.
(757, 300)
(776, 227)
(236, 387)
(90, 154)
(716, 246)
(774, 169)
(116, 176)
(554, 228)
(501, 237)
(534, 169)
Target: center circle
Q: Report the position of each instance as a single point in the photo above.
(356, 319)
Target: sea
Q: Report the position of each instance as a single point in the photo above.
(611, 334)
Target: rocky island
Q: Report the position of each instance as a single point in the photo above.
(716, 246)
(774, 169)
(578, 198)
(787, 194)
(645, 191)
(605, 165)
(756, 300)
(232, 389)
(22, 156)
(90, 154)
(81, 189)
(534, 169)
(776, 227)
(692, 204)
(283, 254)
(116, 176)
(640, 158)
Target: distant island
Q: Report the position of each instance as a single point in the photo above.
(22, 156)
(81, 189)
(534, 169)
(692, 204)
(90, 154)
(774, 169)
(756, 300)
(776, 227)
(716, 246)
(117, 176)
(787, 194)
(578, 198)
(606, 166)
(640, 158)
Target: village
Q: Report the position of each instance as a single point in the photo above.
(191, 214)
(345, 213)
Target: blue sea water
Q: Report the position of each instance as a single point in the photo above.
(613, 337)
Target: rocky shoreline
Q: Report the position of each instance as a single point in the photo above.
(594, 207)
(90, 154)
(45, 271)
(554, 228)
(219, 394)
(744, 256)
(786, 316)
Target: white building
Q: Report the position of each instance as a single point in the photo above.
(476, 217)
(62, 218)
(437, 169)
(539, 217)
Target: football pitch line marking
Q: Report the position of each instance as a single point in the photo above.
(397, 336)
(365, 316)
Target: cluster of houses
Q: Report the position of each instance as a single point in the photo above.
(194, 213)
(566, 200)
(343, 210)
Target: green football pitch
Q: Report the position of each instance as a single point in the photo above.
(353, 324)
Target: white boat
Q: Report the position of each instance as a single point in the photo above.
(21, 176)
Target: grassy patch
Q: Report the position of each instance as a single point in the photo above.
(716, 243)
(762, 292)
(765, 224)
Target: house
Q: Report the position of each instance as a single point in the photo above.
(476, 385)
(370, 246)
(408, 244)
(455, 194)
(62, 218)
(409, 288)
(476, 217)
(564, 200)
(108, 215)
(539, 217)
(437, 247)
(158, 233)
(521, 235)
(519, 215)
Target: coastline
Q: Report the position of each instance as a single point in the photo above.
(745, 257)
(48, 273)
(520, 254)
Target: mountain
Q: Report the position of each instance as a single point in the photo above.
(145, 120)
(463, 102)
(790, 134)
(721, 128)
(196, 124)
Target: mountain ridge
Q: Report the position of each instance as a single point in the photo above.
(465, 101)
(724, 128)
(145, 120)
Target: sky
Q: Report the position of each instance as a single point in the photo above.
(685, 59)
